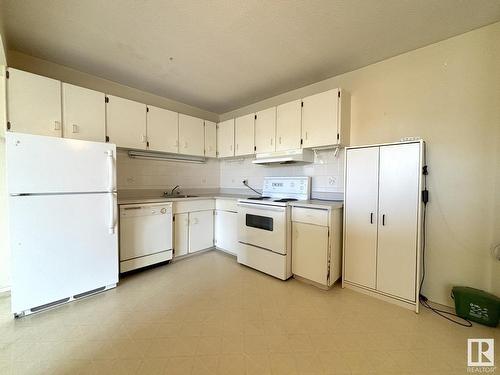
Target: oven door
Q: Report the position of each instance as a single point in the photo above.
(263, 226)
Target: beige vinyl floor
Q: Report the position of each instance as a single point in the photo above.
(208, 315)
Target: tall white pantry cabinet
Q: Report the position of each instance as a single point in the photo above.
(383, 221)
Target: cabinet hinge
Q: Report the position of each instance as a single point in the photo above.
(106, 100)
(301, 141)
(8, 125)
(7, 74)
(301, 104)
(107, 138)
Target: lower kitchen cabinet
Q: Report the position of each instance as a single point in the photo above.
(226, 225)
(316, 244)
(226, 231)
(201, 230)
(193, 226)
(310, 252)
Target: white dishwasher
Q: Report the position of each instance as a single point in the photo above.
(145, 234)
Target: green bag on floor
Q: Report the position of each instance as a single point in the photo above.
(476, 305)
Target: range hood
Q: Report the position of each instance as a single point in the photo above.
(285, 157)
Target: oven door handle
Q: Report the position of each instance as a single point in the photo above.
(263, 207)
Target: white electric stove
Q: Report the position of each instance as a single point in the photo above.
(264, 225)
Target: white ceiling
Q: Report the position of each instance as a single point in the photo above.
(230, 53)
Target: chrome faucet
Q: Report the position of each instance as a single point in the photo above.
(172, 191)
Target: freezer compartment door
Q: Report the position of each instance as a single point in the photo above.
(61, 246)
(40, 165)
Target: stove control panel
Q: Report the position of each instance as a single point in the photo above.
(287, 187)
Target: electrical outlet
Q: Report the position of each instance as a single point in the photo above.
(332, 180)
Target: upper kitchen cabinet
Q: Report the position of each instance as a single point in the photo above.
(265, 130)
(288, 125)
(33, 103)
(244, 135)
(162, 129)
(191, 135)
(126, 122)
(325, 119)
(225, 138)
(84, 113)
(210, 139)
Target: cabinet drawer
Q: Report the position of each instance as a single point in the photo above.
(226, 204)
(310, 216)
(194, 205)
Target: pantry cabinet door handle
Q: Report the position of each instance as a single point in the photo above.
(383, 219)
(371, 217)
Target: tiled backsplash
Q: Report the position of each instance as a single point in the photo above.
(159, 174)
(326, 172)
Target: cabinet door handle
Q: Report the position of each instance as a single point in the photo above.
(371, 217)
(271, 141)
(57, 125)
(383, 219)
(280, 140)
(306, 136)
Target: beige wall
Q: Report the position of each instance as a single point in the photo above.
(449, 94)
(46, 68)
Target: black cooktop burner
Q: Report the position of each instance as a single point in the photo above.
(258, 198)
(285, 200)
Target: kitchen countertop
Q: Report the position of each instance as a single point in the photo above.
(313, 203)
(139, 200)
(317, 203)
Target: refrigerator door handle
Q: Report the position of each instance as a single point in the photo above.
(112, 216)
(111, 170)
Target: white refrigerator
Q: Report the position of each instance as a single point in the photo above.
(62, 219)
